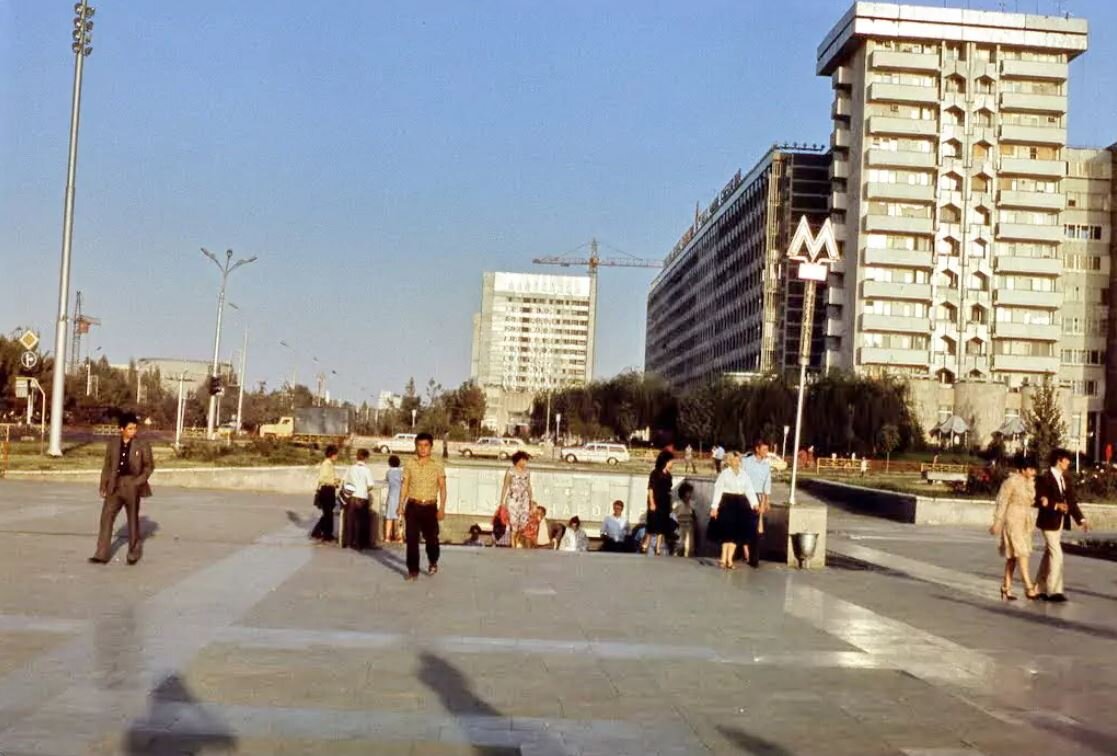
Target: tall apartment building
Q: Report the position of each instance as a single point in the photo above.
(724, 302)
(534, 333)
(952, 201)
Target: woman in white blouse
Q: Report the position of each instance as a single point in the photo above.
(732, 509)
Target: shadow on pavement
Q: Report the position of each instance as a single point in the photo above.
(387, 559)
(202, 732)
(751, 743)
(458, 698)
(1101, 742)
(1039, 619)
(148, 528)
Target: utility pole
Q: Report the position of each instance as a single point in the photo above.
(214, 380)
(243, 368)
(82, 47)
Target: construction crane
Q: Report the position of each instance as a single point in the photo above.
(82, 323)
(595, 261)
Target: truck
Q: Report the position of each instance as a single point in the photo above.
(312, 426)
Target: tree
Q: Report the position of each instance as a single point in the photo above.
(1045, 421)
(888, 438)
(697, 411)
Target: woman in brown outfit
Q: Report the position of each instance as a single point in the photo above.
(1013, 522)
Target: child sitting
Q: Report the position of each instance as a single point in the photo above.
(474, 536)
(684, 514)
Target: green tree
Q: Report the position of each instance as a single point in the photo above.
(697, 410)
(888, 439)
(1045, 421)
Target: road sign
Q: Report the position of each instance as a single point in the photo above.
(29, 340)
(29, 360)
(23, 387)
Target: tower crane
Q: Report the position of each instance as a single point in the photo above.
(82, 323)
(595, 261)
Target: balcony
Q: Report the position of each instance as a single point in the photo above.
(1040, 200)
(842, 78)
(1033, 134)
(899, 223)
(905, 61)
(1029, 232)
(917, 192)
(883, 356)
(1027, 331)
(880, 91)
(890, 158)
(1025, 364)
(1033, 103)
(839, 169)
(835, 328)
(894, 323)
(838, 201)
(1046, 300)
(1033, 69)
(1040, 266)
(839, 137)
(889, 290)
(835, 296)
(842, 107)
(1029, 167)
(902, 126)
(839, 230)
(904, 258)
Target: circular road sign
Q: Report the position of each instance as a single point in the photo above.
(29, 360)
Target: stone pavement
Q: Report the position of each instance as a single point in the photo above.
(236, 635)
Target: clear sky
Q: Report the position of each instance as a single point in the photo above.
(379, 156)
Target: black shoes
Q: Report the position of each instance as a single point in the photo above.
(97, 560)
(1056, 598)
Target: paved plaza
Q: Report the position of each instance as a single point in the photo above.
(236, 635)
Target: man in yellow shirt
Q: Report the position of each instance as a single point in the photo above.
(424, 504)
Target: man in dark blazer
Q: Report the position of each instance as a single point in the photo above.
(128, 465)
(1057, 505)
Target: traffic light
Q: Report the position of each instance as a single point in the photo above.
(215, 386)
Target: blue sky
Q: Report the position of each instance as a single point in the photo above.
(379, 156)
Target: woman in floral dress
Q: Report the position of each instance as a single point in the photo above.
(515, 496)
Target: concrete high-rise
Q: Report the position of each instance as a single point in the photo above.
(725, 302)
(951, 198)
(533, 333)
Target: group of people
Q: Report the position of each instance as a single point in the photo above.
(1028, 500)
(416, 496)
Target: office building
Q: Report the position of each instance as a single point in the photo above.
(726, 302)
(534, 333)
(963, 250)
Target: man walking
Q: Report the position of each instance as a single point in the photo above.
(356, 527)
(688, 456)
(424, 504)
(128, 465)
(718, 455)
(759, 469)
(1057, 504)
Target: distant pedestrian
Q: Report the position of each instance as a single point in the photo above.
(424, 504)
(717, 454)
(759, 468)
(688, 456)
(356, 525)
(1058, 505)
(515, 496)
(325, 497)
(128, 465)
(732, 509)
(1013, 523)
(684, 515)
(394, 479)
(658, 524)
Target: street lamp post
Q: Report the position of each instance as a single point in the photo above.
(414, 412)
(82, 47)
(783, 446)
(226, 268)
(811, 271)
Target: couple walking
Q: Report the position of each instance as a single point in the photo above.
(1047, 502)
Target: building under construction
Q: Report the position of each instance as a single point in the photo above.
(726, 301)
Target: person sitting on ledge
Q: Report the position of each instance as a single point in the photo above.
(574, 539)
(615, 534)
(474, 536)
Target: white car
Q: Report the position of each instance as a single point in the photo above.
(490, 446)
(401, 443)
(610, 454)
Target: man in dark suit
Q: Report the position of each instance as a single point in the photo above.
(128, 465)
(1057, 505)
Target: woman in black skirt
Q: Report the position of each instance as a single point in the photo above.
(732, 509)
(325, 497)
(658, 524)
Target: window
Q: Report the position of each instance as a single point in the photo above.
(895, 340)
(1024, 316)
(980, 151)
(1027, 185)
(1093, 357)
(904, 79)
(1029, 152)
(977, 315)
(950, 214)
(897, 241)
(1082, 262)
(898, 308)
(1022, 348)
(900, 209)
(950, 182)
(898, 176)
(1025, 283)
(975, 347)
(984, 85)
(1028, 249)
(1029, 217)
(1029, 86)
(955, 85)
(977, 282)
(980, 184)
(953, 117)
(896, 275)
(1088, 232)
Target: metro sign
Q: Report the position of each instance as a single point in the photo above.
(808, 248)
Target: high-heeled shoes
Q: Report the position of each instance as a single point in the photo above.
(1032, 594)
(1006, 594)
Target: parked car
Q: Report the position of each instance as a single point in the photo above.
(401, 443)
(490, 446)
(610, 454)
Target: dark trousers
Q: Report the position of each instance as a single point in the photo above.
(421, 520)
(125, 497)
(325, 499)
(356, 531)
